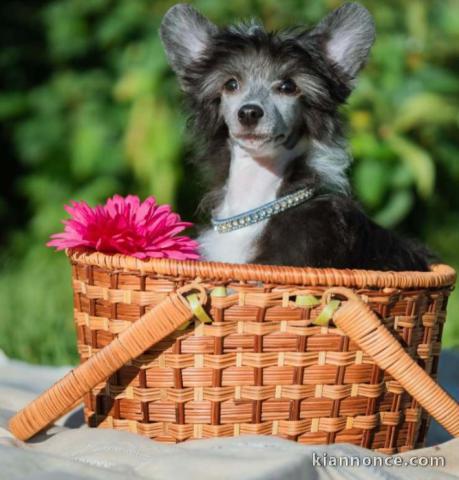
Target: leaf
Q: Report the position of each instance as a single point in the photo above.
(438, 79)
(417, 160)
(92, 144)
(364, 144)
(448, 155)
(425, 109)
(98, 190)
(371, 178)
(153, 143)
(449, 17)
(360, 120)
(401, 177)
(416, 19)
(396, 209)
(134, 83)
(12, 104)
(125, 18)
(67, 30)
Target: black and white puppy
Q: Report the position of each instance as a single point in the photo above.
(266, 105)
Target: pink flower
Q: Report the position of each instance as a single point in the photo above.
(127, 226)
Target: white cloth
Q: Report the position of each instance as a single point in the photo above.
(72, 451)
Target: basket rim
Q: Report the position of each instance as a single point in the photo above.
(441, 275)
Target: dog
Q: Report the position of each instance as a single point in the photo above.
(266, 107)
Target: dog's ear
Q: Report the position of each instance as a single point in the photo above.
(185, 34)
(347, 35)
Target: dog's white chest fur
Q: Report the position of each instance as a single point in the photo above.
(233, 247)
(250, 184)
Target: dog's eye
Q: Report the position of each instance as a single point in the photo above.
(231, 85)
(288, 87)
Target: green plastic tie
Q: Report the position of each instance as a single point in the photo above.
(197, 308)
(198, 311)
(218, 292)
(327, 313)
(307, 300)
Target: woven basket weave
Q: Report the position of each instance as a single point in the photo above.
(301, 353)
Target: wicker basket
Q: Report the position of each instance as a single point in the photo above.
(184, 350)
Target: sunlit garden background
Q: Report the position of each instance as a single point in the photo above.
(89, 108)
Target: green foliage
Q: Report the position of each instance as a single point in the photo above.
(100, 113)
(37, 303)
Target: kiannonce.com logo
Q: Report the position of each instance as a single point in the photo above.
(325, 460)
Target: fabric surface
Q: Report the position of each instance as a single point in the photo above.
(70, 450)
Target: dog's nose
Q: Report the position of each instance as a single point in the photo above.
(250, 114)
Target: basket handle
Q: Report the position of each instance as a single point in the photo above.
(354, 318)
(360, 324)
(152, 327)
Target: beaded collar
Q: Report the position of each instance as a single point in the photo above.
(259, 214)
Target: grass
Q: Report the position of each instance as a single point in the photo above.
(451, 331)
(36, 321)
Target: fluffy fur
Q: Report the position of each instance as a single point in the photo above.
(296, 142)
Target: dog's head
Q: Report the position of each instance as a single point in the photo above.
(267, 90)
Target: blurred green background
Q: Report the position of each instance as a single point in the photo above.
(89, 107)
